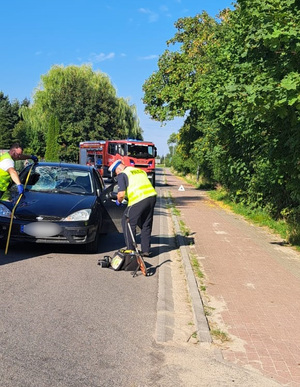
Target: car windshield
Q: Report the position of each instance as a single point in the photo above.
(59, 179)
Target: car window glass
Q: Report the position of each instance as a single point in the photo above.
(98, 180)
(51, 178)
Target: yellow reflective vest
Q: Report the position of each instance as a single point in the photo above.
(4, 175)
(139, 186)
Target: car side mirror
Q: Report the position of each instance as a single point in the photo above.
(112, 195)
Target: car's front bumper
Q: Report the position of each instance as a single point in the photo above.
(59, 232)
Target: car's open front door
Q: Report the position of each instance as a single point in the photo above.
(112, 218)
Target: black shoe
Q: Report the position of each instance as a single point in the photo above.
(146, 254)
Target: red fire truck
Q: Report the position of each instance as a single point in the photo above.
(134, 153)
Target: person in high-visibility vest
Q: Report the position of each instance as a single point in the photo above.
(133, 183)
(7, 167)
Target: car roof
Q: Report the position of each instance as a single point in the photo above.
(66, 165)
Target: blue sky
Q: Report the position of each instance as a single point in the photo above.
(122, 38)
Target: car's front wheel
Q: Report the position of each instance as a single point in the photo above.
(92, 247)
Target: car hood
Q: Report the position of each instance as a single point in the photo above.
(50, 204)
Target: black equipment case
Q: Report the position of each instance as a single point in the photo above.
(125, 260)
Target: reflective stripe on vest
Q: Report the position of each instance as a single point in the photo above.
(139, 186)
(4, 175)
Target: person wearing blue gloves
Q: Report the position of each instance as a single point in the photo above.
(133, 183)
(7, 167)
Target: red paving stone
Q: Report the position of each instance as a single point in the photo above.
(252, 281)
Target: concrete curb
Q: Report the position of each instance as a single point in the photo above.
(200, 320)
(165, 306)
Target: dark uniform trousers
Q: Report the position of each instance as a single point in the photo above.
(141, 215)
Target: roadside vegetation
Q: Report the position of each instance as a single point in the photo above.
(235, 80)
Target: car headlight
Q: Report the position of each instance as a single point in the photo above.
(4, 211)
(81, 215)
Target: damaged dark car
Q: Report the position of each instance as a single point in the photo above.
(62, 203)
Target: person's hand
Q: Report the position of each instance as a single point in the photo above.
(20, 188)
(34, 158)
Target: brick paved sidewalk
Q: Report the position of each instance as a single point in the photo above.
(252, 285)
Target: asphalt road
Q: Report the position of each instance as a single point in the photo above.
(65, 321)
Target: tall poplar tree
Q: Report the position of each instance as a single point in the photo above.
(52, 146)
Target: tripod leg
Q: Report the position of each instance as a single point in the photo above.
(139, 258)
(136, 270)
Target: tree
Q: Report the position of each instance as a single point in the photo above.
(52, 146)
(237, 82)
(10, 121)
(85, 105)
(172, 142)
(170, 92)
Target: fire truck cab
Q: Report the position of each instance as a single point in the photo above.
(134, 153)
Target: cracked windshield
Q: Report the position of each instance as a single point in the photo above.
(60, 180)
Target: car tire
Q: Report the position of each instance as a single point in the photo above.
(92, 247)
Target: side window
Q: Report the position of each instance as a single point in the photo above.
(99, 184)
(112, 149)
(121, 149)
